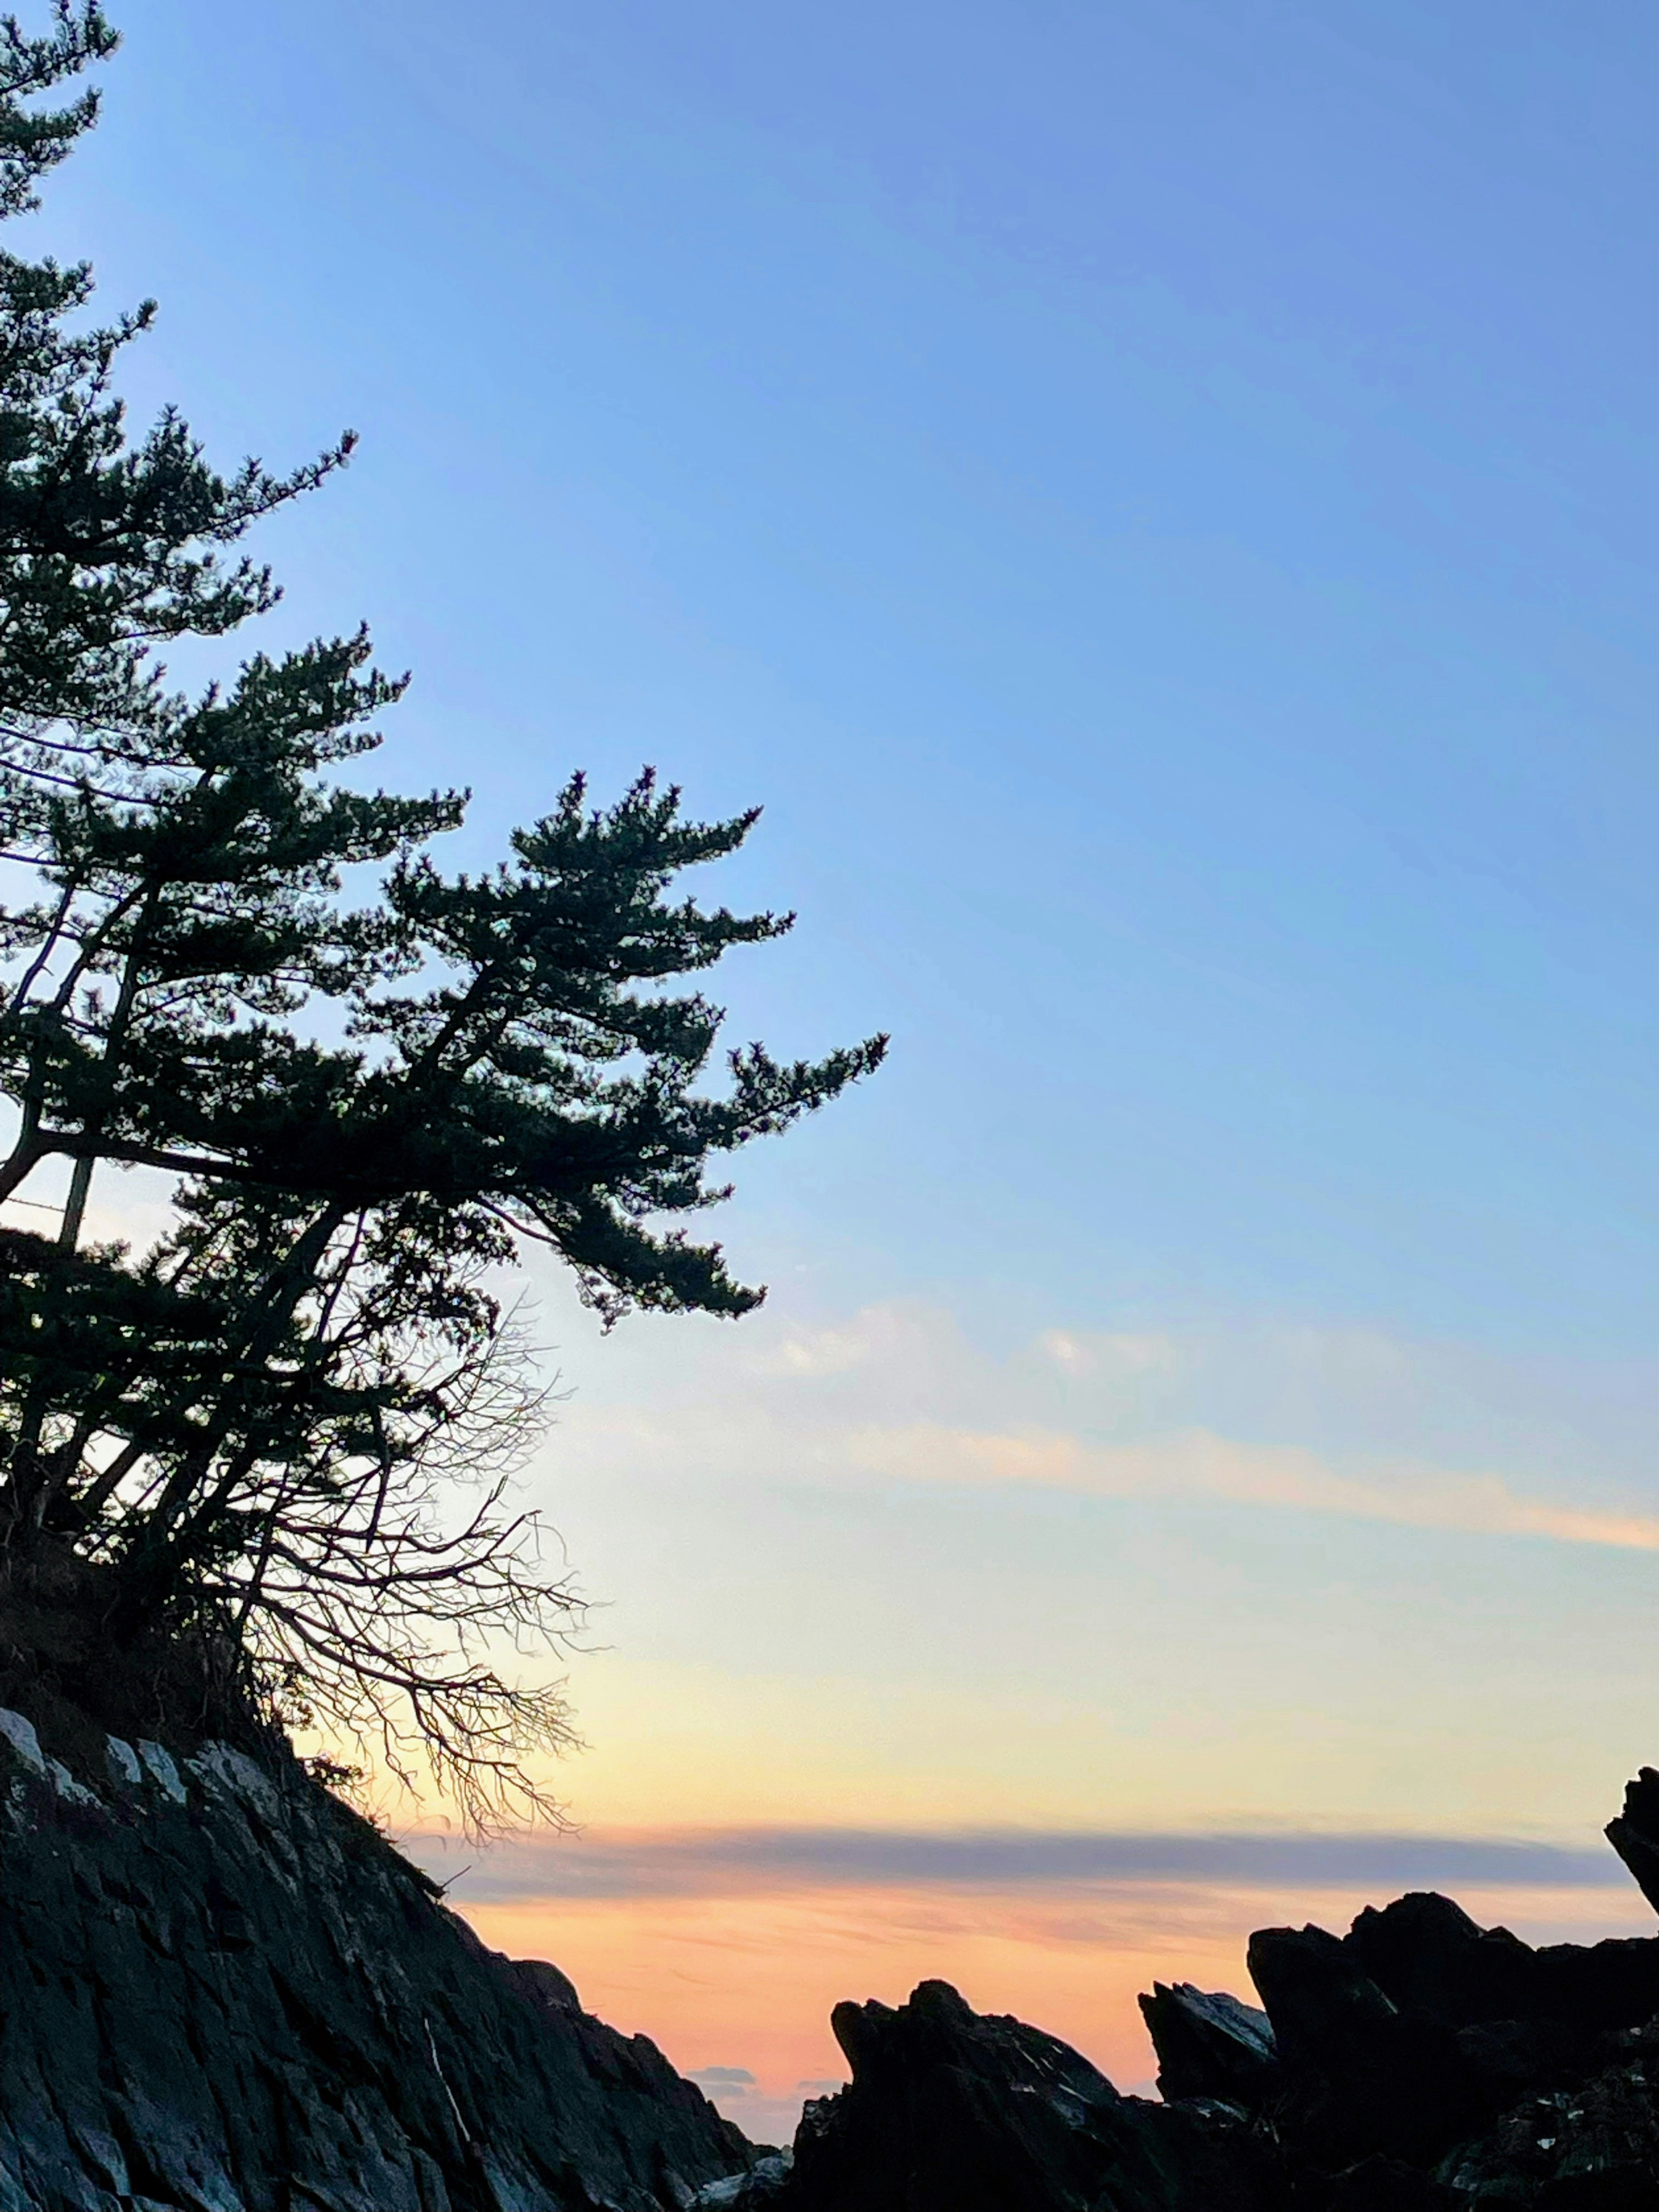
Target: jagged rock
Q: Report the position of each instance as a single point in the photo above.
(1425, 1953)
(1635, 1834)
(220, 1991)
(1419, 2028)
(1429, 1956)
(1361, 2077)
(1610, 1984)
(757, 2191)
(1317, 1997)
(1527, 2020)
(1210, 2044)
(949, 2110)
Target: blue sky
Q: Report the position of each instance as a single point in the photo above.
(1157, 501)
(1153, 500)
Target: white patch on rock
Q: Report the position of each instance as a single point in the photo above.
(158, 1764)
(71, 1791)
(756, 2187)
(122, 1761)
(720, 2194)
(20, 1734)
(222, 1768)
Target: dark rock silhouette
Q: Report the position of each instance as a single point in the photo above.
(949, 2110)
(1418, 2064)
(220, 1991)
(1635, 1834)
(1210, 2046)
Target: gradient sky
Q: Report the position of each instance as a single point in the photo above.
(1156, 500)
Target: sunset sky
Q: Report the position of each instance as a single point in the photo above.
(1156, 500)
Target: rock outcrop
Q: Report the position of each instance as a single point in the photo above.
(1210, 2046)
(952, 2111)
(1635, 1834)
(220, 1991)
(1418, 2063)
(1337, 2100)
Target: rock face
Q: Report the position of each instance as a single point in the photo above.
(1339, 2099)
(950, 2111)
(1210, 2046)
(1419, 2031)
(1635, 1834)
(220, 1991)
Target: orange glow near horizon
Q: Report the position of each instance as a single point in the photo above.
(749, 1981)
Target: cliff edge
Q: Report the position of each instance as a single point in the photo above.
(222, 1991)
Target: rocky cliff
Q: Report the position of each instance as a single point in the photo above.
(220, 1991)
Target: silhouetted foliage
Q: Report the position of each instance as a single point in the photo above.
(249, 1432)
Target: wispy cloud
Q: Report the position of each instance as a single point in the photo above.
(1198, 1464)
(1081, 1353)
(742, 1862)
(1360, 1426)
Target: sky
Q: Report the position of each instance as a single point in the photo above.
(1156, 501)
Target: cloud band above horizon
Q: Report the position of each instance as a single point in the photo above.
(742, 1860)
(1196, 1463)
